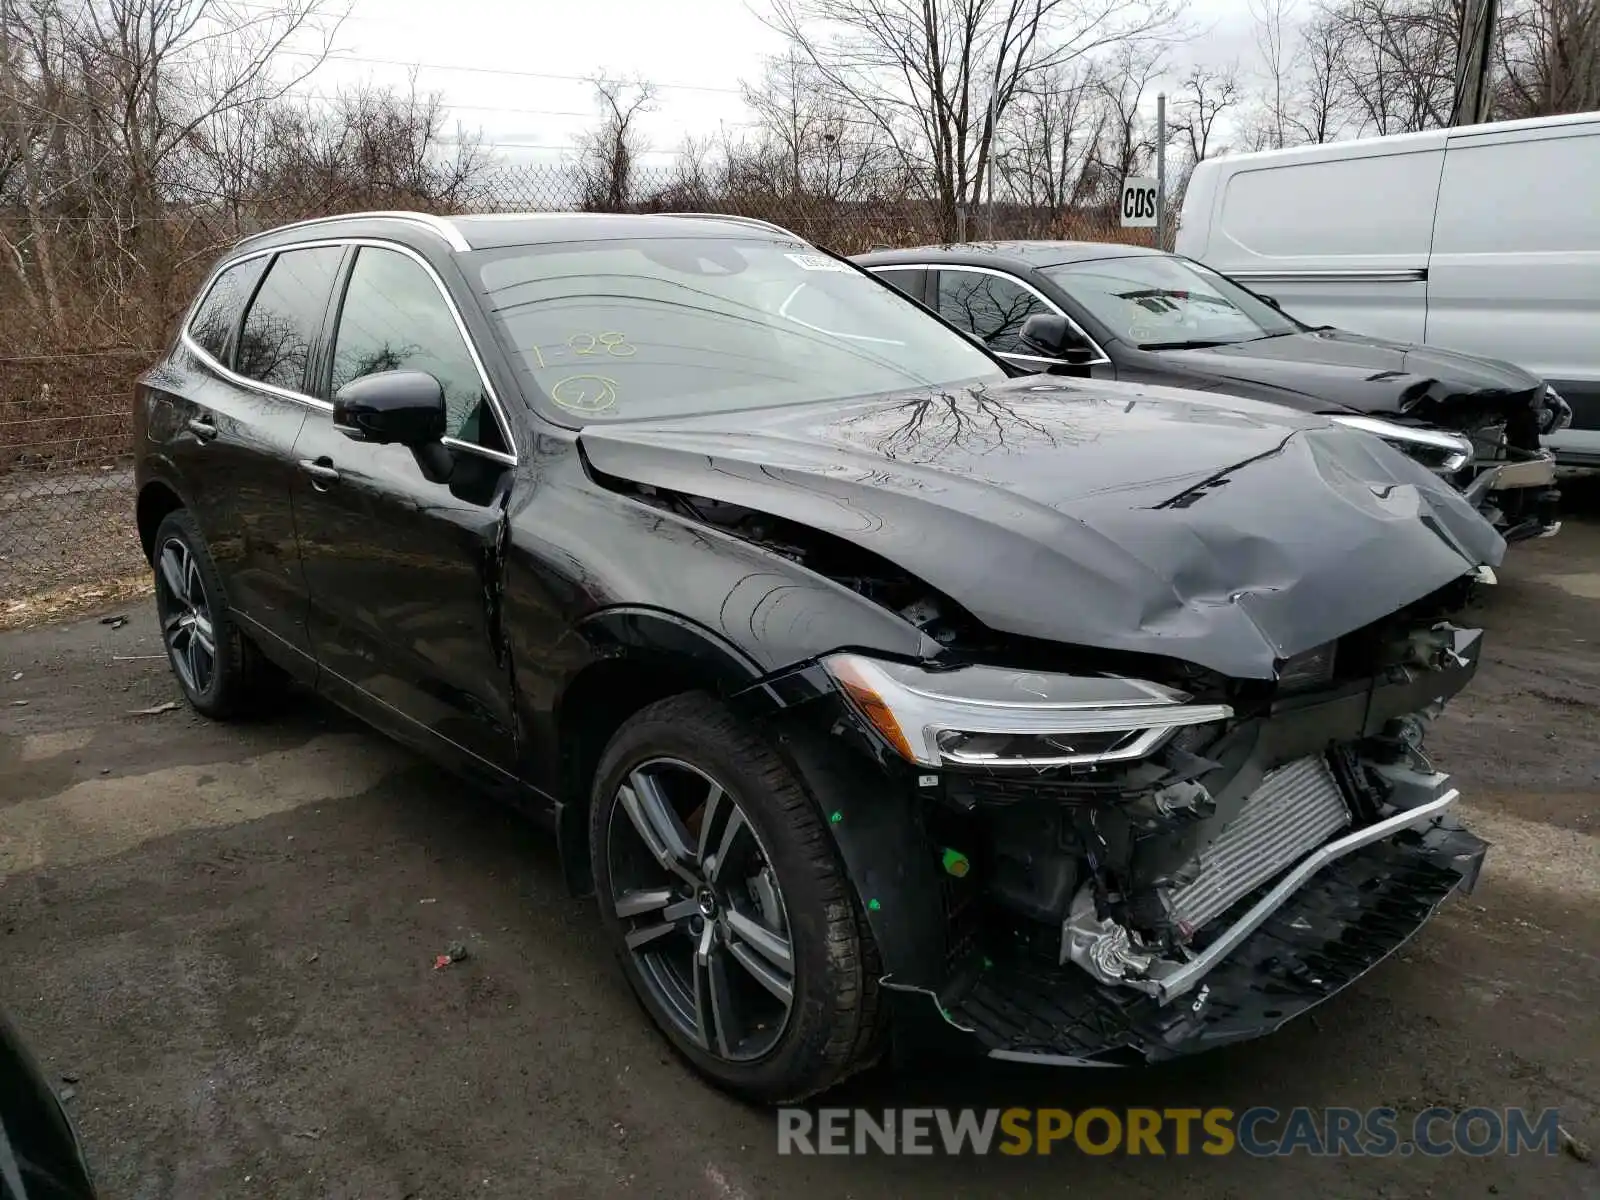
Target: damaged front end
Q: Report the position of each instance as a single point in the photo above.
(1488, 446)
(1133, 870)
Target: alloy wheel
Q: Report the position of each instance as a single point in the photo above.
(186, 616)
(701, 908)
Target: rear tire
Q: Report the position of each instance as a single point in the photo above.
(680, 894)
(221, 672)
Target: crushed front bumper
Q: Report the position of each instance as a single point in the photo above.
(1518, 495)
(1348, 917)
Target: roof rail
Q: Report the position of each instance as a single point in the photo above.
(439, 225)
(756, 221)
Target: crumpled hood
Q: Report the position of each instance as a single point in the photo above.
(1230, 534)
(1328, 369)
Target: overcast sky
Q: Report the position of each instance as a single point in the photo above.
(517, 69)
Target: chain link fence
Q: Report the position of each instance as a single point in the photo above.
(66, 497)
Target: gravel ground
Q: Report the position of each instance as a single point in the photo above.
(225, 937)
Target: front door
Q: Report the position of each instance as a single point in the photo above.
(402, 570)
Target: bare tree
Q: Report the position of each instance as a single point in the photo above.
(106, 108)
(1397, 61)
(608, 154)
(1127, 136)
(1207, 93)
(1273, 34)
(937, 76)
(807, 141)
(366, 148)
(1047, 138)
(1549, 58)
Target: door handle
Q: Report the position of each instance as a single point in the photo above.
(321, 470)
(203, 428)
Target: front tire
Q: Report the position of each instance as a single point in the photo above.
(221, 672)
(736, 925)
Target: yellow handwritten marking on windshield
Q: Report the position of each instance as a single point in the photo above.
(609, 343)
(585, 393)
(612, 343)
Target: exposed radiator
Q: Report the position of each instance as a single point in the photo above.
(1297, 807)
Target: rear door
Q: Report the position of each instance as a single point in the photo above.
(1515, 271)
(234, 427)
(403, 572)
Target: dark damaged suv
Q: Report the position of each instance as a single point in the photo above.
(887, 697)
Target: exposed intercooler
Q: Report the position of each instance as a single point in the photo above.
(1298, 807)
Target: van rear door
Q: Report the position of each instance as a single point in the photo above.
(1515, 269)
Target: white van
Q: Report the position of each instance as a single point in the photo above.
(1484, 238)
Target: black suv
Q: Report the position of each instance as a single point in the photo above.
(888, 698)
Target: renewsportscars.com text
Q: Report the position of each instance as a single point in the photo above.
(1259, 1132)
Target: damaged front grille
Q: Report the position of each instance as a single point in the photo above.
(1297, 808)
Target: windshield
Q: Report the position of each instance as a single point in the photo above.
(1156, 302)
(614, 330)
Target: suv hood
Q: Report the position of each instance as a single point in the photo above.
(1229, 534)
(1327, 369)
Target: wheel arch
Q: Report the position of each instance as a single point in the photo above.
(640, 655)
(156, 499)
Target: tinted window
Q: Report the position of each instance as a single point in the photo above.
(394, 319)
(992, 306)
(218, 315)
(668, 326)
(1486, 205)
(1154, 301)
(913, 281)
(286, 316)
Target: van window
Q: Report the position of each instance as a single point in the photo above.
(1522, 196)
(1351, 206)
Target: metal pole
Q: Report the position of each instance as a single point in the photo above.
(993, 96)
(1478, 21)
(1161, 170)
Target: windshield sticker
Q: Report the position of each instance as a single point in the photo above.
(585, 393)
(817, 262)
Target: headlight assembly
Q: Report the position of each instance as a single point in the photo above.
(1555, 414)
(997, 717)
(1435, 449)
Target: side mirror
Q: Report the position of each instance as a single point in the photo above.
(1054, 336)
(402, 407)
(1273, 300)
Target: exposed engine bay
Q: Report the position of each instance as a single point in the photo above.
(1144, 874)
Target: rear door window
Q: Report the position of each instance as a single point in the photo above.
(214, 321)
(913, 281)
(286, 316)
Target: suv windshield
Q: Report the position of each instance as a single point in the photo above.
(614, 330)
(1158, 301)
